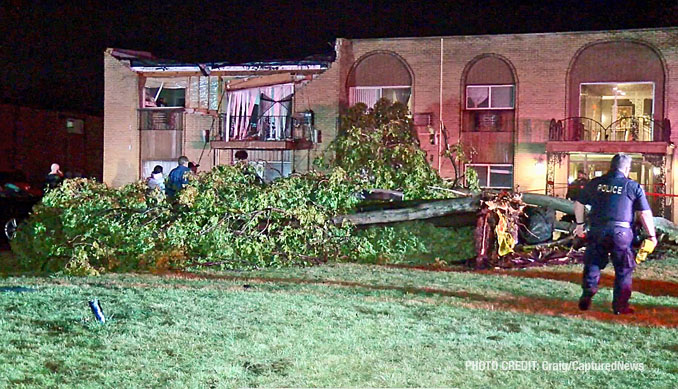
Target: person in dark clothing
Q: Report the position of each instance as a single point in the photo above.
(177, 177)
(576, 186)
(613, 198)
(240, 156)
(193, 167)
(54, 177)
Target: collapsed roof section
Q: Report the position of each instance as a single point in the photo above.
(144, 62)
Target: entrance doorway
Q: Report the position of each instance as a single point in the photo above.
(642, 171)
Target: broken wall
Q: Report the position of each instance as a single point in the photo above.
(121, 135)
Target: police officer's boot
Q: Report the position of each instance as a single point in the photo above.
(623, 311)
(585, 300)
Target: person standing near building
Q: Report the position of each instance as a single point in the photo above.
(177, 177)
(156, 180)
(576, 186)
(54, 177)
(613, 198)
(193, 167)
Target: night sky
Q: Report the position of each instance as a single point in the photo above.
(51, 52)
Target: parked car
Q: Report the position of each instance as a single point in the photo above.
(17, 198)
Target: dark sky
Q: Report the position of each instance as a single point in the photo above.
(51, 52)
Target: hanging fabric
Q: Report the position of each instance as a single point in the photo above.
(272, 119)
(479, 96)
(275, 110)
(367, 96)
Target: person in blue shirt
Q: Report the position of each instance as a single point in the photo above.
(177, 177)
(614, 198)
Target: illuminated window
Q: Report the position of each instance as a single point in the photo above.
(75, 126)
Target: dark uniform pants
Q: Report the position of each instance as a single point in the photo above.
(613, 242)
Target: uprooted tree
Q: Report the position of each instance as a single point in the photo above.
(227, 218)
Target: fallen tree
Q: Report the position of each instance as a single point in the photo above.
(497, 226)
(423, 211)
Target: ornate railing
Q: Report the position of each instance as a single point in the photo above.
(265, 128)
(161, 119)
(625, 129)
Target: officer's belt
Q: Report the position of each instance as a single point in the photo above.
(613, 224)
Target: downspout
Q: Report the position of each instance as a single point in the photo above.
(440, 128)
(227, 130)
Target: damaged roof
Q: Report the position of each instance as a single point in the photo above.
(144, 61)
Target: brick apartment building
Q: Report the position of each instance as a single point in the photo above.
(32, 139)
(536, 108)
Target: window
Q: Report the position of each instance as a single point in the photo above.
(258, 113)
(489, 108)
(380, 75)
(165, 92)
(272, 170)
(75, 126)
(498, 176)
(270, 164)
(626, 109)
(490, 97)
(369, 95)
(204, 93)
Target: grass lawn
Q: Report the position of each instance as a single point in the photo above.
(340, 325)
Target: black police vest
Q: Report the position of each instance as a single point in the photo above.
(613, 198)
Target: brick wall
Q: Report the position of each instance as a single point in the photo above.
(195, 124)
(32, 139)
(324, 95)
(541, 63)
(121, 135)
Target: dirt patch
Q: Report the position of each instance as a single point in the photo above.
(654, 316)
(648, 287)
(645, 286)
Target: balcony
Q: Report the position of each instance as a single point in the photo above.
(152, 119)
(626, 129)
(266, 132)
(628, 134)
(161, 136)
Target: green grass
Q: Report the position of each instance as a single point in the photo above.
(342, 325)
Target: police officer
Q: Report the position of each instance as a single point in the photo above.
(613, 198)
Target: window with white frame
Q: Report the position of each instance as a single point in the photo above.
(490, 97)
(369, 95)
(498, 176)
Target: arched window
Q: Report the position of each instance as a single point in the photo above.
(380, 75)
(616, 83)
(488, 119)
(489, 91)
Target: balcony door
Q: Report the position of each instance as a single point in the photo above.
(625, 109)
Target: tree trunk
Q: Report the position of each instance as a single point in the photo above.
(557, 203)
(419, 212)
(437, 208)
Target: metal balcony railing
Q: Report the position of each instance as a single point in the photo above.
(161, 119)
(265, 128)
(625, 129)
